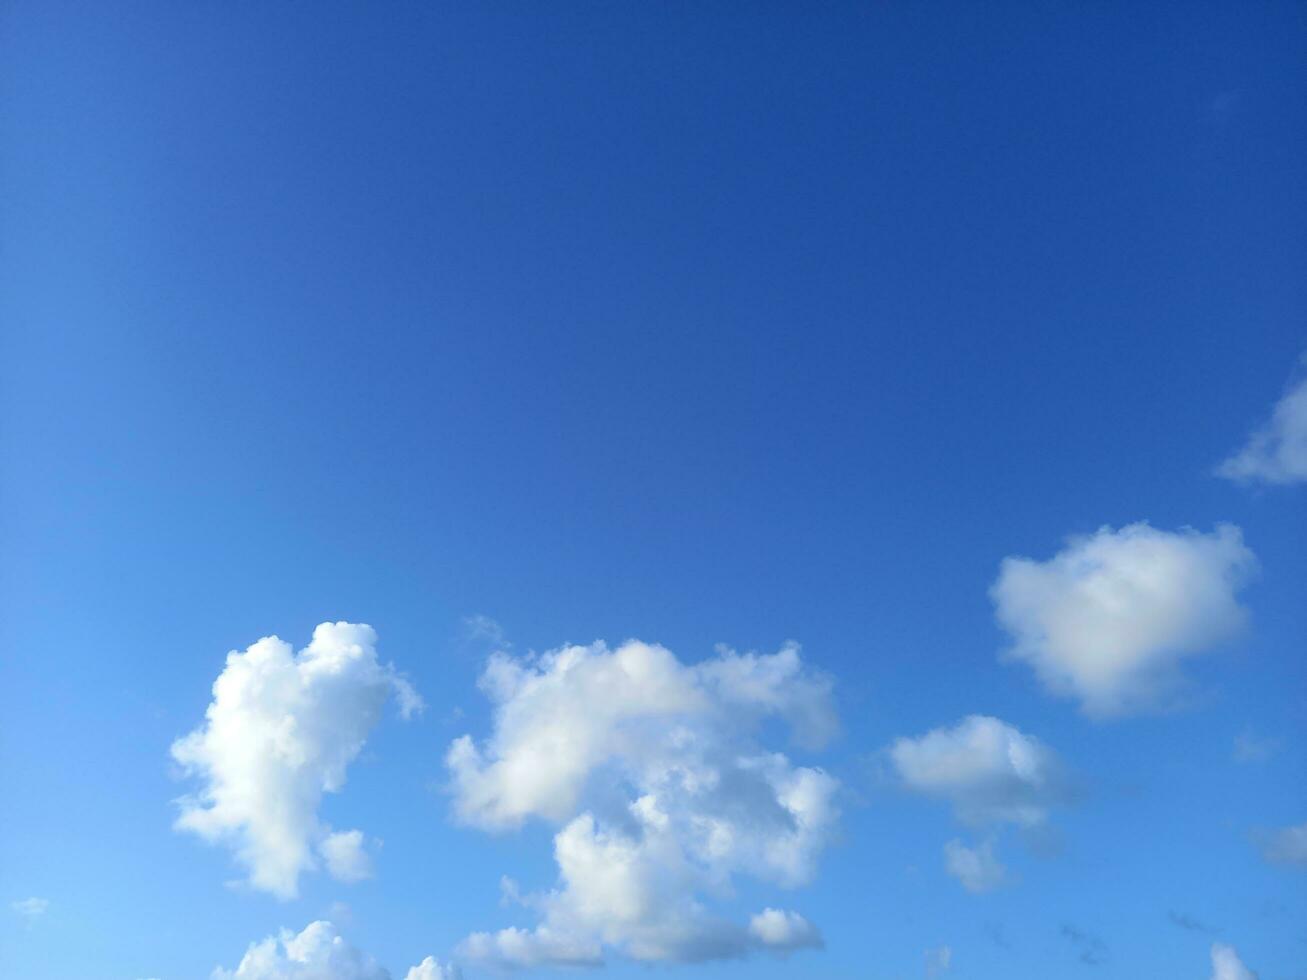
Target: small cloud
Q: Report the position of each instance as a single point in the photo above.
(30, 909)
(938, 961)
(1250, 748)
(432, 969)
(346, 858)
(976, 867)
(781, 931)
(1226, 964)
(1090, 949)
(1275, 453)
(994, 776)
(1285, 845)
(483, 628)
(991, 772)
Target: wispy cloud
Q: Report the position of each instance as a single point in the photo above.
(486, 630)
(30, 909)
(938, 961)
(1285, 845)
(1251, 748)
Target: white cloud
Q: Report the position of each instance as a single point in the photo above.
(317, 953)
(345, 856)
(993, 775)
(990, 772)
(1288, 845)
(976, 867)
(513, 947)
(1277, 452)
(1226, 964)
(432, 969)
(1110, 618)
(280, 732)
(31, 909)
(652, 771)
(781, 930)
(320, 953)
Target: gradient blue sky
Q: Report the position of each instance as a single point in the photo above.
(687, 322)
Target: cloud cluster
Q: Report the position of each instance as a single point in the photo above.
(320, 953)
(1277, 452)
(1110, 618)
(1226, 964)
(280, 732)
(993, 775)
(653, 772)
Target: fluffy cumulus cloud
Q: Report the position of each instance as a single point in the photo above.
(320, 953)
(990, 772)
(1287, 846)
(432, 969)
(653, 773)
(1277, 452)
(780, 930)
(993, 775)
(1110, 618)
(1226, 964)
(281, 731)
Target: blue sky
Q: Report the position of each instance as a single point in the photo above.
(504, 329)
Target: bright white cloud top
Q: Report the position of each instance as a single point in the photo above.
(781, 931)
(993, 775)
(1226, 964)
(1110, 618)
(988, 770)
(319, 952)
(280, 732)
(1277, 452)
(652, 770)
